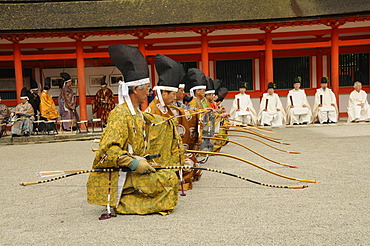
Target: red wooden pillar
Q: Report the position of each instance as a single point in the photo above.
(205, 56)
(18, 69)
(141, 44)
(81, 79)
(269, 67)
(141, 47)
(335, 61)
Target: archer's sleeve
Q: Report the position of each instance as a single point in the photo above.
(113, 141)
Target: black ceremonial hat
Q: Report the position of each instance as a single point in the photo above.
(210, 88)
(197, 77)
(242, 85)
(170, 72)
(102, 82)
(298, 80)
(217, 84)
(47, 83)
(219, 99)
(24, 93)
(270, 85)
(66, 77)
(129, 61)
(34, 85)
(187, 98)
(324, 80)
(222, 92)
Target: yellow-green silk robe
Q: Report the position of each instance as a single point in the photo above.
(141, 194)
(196, 103)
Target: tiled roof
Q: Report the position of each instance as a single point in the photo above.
(79, 15)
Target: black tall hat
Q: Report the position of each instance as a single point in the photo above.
(134, 69)
(219, 99)
(187, 98)
(130, 62)
(217, 85)
(24, 93)
(222, 92)
(298, 80)
(170, 72)
(324, 80)
(210, 88)
(198, 80)
(102, 82)
(270, 85)
(34, 85)
(66, 77)
(47, 83)
(60, 83)
(243, 85)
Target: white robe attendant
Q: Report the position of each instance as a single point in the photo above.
(272, 116)
(355, 111)
(327, 112)
(301, 110)
(243, 110)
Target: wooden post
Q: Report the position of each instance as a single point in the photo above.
(81, 80)
(204, 50)
(335, 61)
(18, 70)
(141, 44)
(269, 67)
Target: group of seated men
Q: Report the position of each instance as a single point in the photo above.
(298, 110)
(32, 107)
(271, 111)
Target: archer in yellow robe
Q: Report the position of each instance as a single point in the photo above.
(186, 128)
(135, 135)
(196, 103)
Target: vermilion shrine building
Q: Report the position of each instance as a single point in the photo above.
(233, 40)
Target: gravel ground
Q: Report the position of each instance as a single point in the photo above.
(220, 210)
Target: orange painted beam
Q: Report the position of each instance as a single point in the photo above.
(173, 46)
(72, 44)
(172, 40)
(174, 52)
(354, 42)
(48, 56)
(354, 30)
(301, 45)
(236, 49)
(236, 37)
(7, 58)
(300, 33)
(96, 55)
